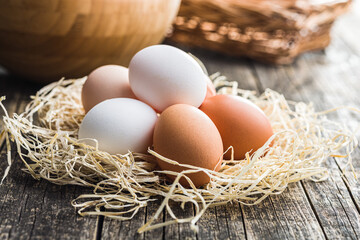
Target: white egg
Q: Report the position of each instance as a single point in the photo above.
(163, 75)
(119, 125)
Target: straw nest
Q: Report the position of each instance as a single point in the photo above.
(45, 137)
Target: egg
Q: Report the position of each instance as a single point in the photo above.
(185, 134)
(163, 75)
(106, 82)
(240, 122)
(119, 125)
(210, 88)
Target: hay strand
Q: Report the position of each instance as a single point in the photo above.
(45, 136)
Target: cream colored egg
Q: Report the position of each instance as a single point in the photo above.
(106, 82)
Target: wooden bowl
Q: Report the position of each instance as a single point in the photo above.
(45, 40)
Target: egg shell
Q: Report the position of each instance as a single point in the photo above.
(106, 82)
(163, 75)
(119, 125)
(185, 134)
(240, 122)
(210, 88)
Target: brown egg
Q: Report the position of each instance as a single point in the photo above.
(241, 123)
(210, 88)
(185, 134)
(106, 82)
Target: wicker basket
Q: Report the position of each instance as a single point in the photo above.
(274, 31)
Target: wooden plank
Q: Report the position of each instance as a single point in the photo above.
(116, 229)
(341, 85)
(353, 184)
(32, 209)
(267, 220)
(285, 216)
(222, 222)
(209, 227)
(150, 211)
(323, 208)
(231, 217)
(179, 231)
(334, 206)
(328, 84)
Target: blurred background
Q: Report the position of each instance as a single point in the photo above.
(43, 41)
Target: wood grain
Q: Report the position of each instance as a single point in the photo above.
(286, 216)
(32, 209)
(334, 207)
(272, 218)
(115, 229)
(48, 39)
(179, 231)
(222, 222)
(308, 80)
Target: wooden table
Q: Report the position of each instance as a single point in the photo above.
(31, 209)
